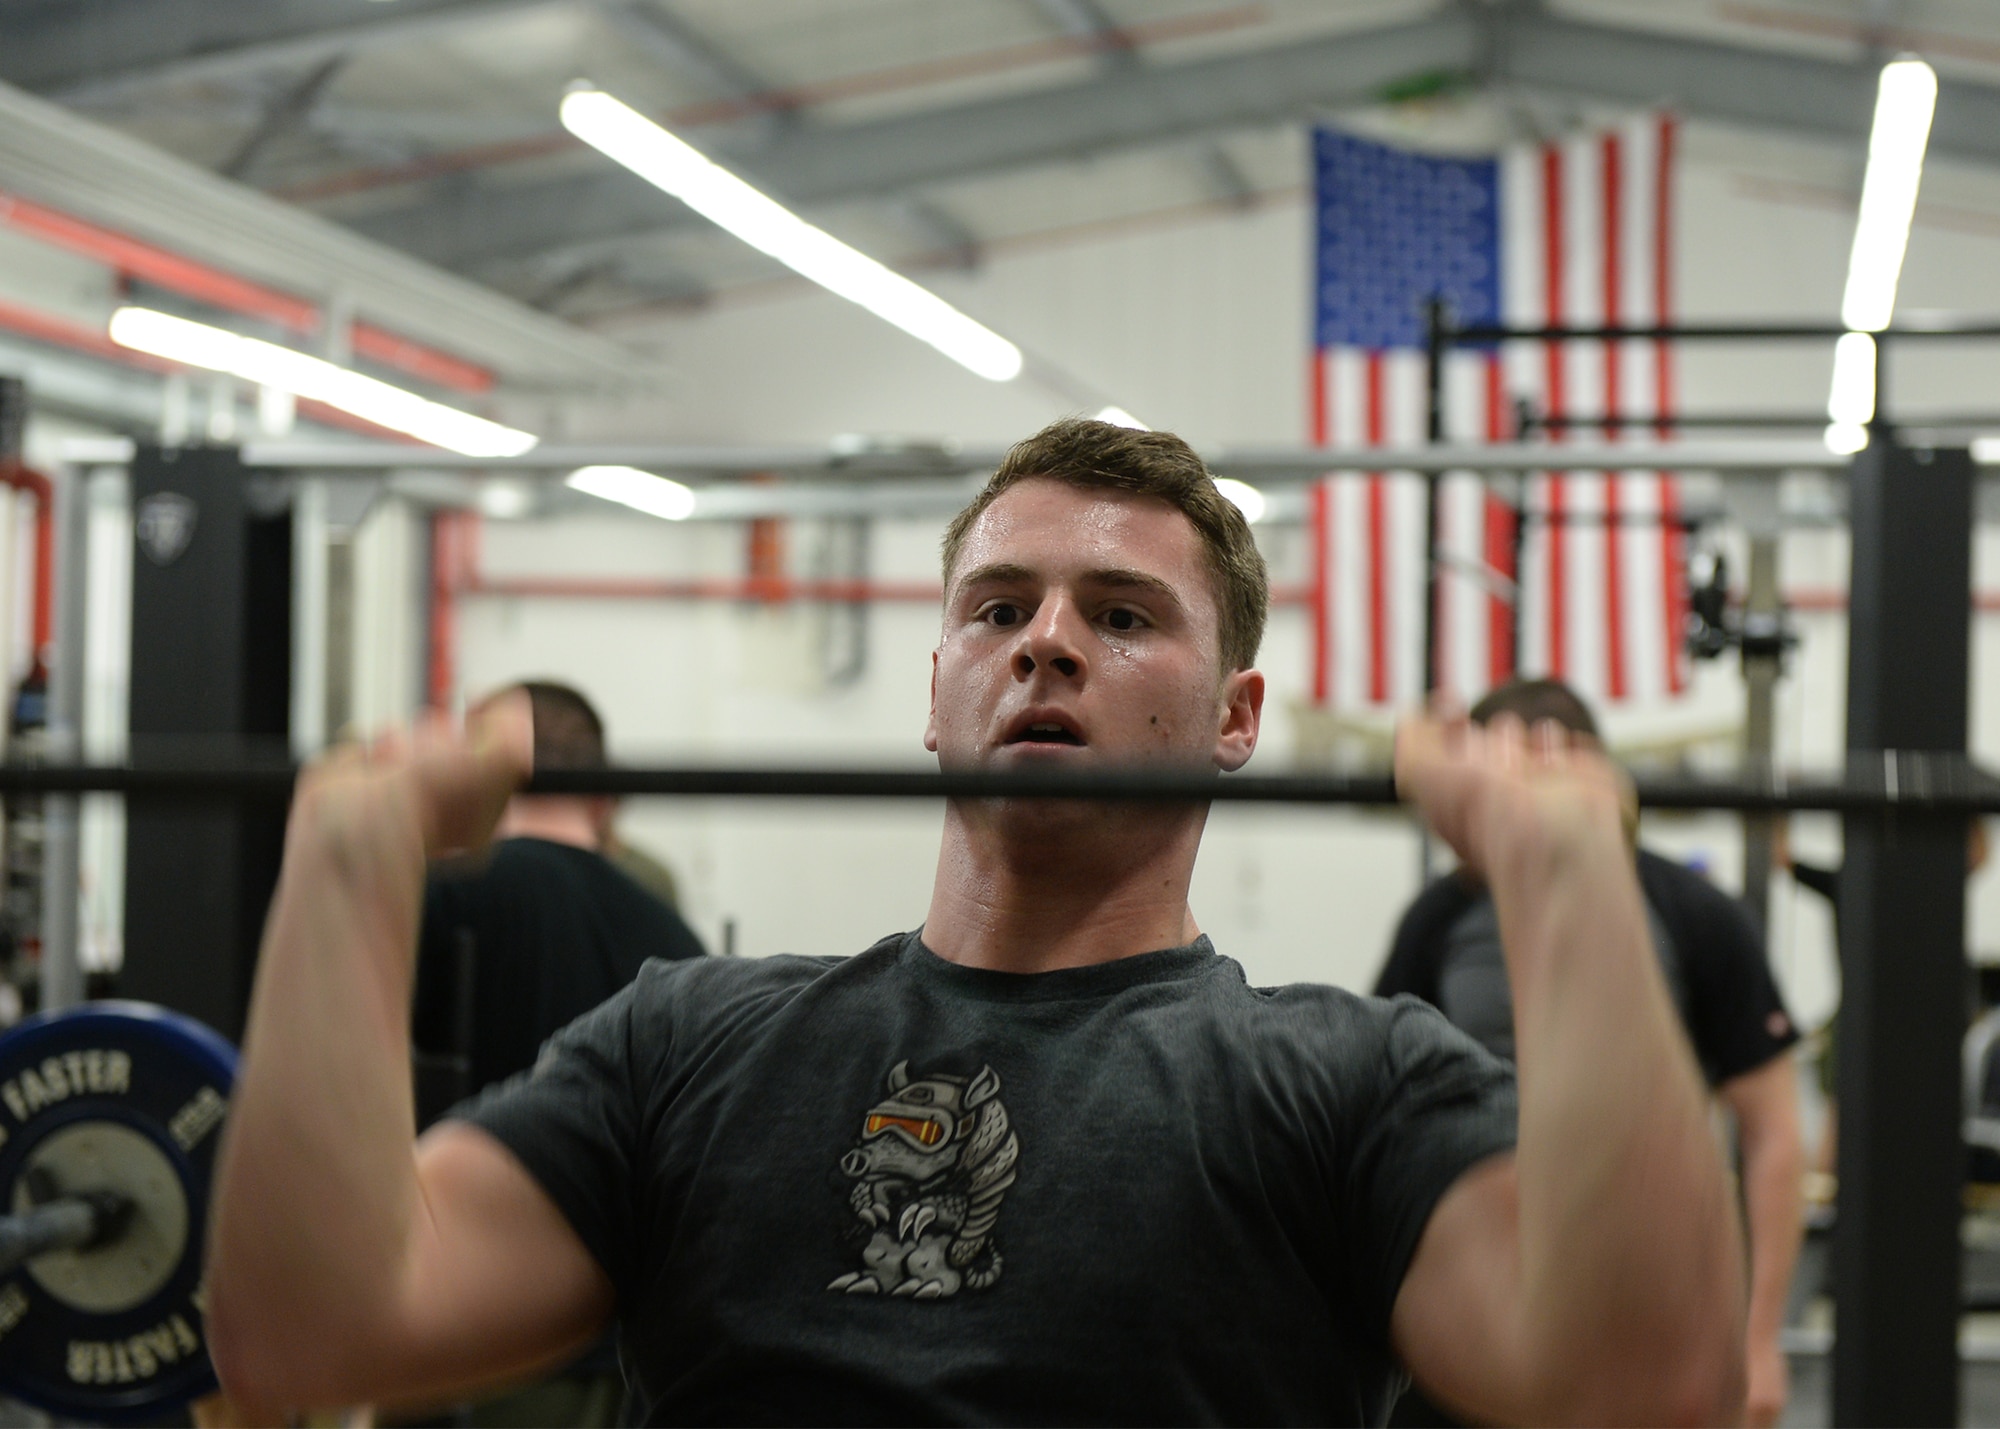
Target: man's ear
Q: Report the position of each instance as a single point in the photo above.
(930, 725)
(1242, 712)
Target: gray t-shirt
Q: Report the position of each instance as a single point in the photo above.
(889, 1189)
(1473, 992)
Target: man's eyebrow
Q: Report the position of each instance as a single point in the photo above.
(1119, 578)
(999, 573)
(1108, 578)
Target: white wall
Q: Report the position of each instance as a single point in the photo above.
(1200, 327)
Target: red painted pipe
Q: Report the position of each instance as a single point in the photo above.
(24, 478)
(131, 256)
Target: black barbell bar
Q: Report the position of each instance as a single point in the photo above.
(1884, 783)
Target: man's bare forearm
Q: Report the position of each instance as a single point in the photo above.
(316, 1193)
(1631, 1272)
(1773, 1174)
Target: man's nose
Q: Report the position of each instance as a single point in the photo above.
(1053, 639)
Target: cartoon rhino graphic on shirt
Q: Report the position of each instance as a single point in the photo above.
(930, 1168)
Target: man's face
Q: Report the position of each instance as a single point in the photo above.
(1081, 631)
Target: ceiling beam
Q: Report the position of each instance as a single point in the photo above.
(287, 111)
(1138, 105)
(97, 51)
(670, 38)
(1757, 88)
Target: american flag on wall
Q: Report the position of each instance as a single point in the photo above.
(1577, 233)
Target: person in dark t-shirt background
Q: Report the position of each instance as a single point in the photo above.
(517, 944)
(1447, 952)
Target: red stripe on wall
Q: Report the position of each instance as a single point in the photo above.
(1613, 186)
(1672, 544)
(1553, 256)
(1378, 545)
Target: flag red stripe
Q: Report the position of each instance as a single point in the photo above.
(1499, 552)
(1553, 256)
(1672, 546)
(1322, 587)
(1322, 417)
(1322, 528)
(1613, 186)
(1378, 545)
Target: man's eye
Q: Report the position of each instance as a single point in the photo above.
(1120, 619)
(1004, 614)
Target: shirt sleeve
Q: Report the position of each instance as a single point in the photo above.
(573, 1122)
(431, 1008)
(1444, 1104)
(1417, 952)
(1823, 881)
(1736, 1016)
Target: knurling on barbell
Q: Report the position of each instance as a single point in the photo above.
(1878, 783)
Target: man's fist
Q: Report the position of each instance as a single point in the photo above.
(1503, 788)
(448, 785)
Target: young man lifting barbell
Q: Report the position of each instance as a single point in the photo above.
(1048, 1158)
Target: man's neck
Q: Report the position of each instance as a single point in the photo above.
(556, 820)
(1026, 900)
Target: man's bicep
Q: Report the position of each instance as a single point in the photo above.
(1456, 1322)
(500, 1284)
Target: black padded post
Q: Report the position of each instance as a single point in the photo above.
(1902, 925)
(211, 671)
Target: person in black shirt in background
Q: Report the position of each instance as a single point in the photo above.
(1447, 952)
(514, 947)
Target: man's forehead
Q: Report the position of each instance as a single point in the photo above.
(1051, 521)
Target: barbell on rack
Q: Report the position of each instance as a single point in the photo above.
(1882, 782)
(110, 1113)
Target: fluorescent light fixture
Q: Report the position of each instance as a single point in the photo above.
(640, 490)
(1905, 99)
(269, 365)
(624, 134)
(505, 500)
(1986, 450)
(1851, 402)
(1119, 417)
(1845, 438)
(1245, 497)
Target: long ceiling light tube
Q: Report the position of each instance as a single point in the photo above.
(630, 138)
(1905, 101)
(267, 364)
(641, 490)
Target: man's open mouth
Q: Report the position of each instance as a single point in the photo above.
(1045, 734)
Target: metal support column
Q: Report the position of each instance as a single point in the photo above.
(1902, 924)
(62, 968)
(1756, 504)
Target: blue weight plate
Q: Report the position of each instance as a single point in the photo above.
(142, 1091)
